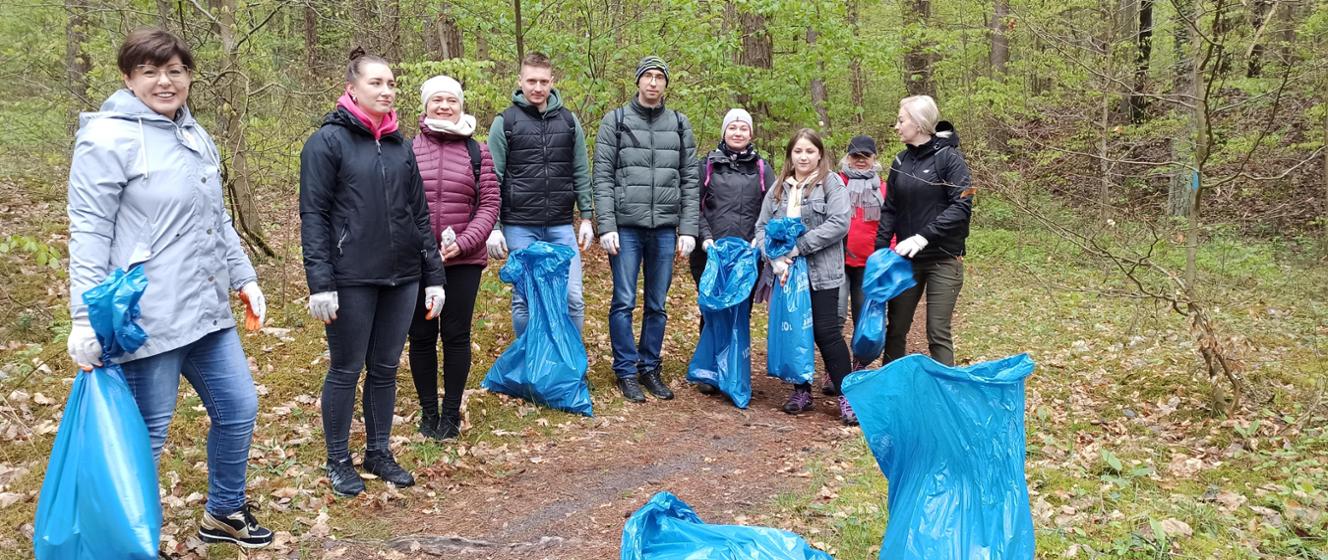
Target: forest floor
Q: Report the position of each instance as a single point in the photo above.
(1128, 454)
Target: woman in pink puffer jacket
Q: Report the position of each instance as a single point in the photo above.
(462, 191)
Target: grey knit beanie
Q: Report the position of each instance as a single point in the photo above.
(652, 62)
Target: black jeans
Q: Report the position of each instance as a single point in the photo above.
(453, 324)
(370, 329)
(828, 329)
(697, 262)
(854, 275)
(941, 280)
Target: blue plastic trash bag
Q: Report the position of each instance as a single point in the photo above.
(667, 529)
(887, 276)
(790, 343)
(546, 365)
(951, 443)
(723, 357)
(99, 498)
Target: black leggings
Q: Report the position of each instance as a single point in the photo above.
(453, 324)
(828, 329)
(368, 334)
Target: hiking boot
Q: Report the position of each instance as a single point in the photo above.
(449, 425)
(846, 414)
(345, 481)
(799, 401)
(706, 389)
(382, 465)
(828, 387)
(239, 528)
(429, 426)
(651, 381)
(631, 389)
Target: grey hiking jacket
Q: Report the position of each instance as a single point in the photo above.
(646, 171)
(825, 211)
(146, 190)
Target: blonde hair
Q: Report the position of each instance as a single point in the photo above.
(822, 169)
(922, 111)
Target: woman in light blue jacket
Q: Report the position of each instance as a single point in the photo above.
(145, 190)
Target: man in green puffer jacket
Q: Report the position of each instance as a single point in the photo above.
(647, 205)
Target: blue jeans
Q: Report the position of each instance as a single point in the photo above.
(651, 249)
(520, 237)
(216, 367)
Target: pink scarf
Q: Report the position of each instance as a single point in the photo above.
(387, 126)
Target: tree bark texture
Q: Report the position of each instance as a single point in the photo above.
(234, 99)
(918, 59)
(77, 61)
(820, 96)
(857, 80)
(1143, 44)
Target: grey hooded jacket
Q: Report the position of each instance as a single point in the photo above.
(146, 190)
(646, 171)
(825, 211)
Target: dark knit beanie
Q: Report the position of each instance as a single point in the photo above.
(652, 63)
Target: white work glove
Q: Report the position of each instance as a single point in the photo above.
(255, 300)
(323, 306)
(497, 245)
(707, 244)
(609, 242)
(685, 245)
(83, 346)
(780, 266)
(434, 296)
(909, 247)
(585, 235)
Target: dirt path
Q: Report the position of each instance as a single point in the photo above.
(570, 501)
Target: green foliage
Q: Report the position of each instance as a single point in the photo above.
(42, 254)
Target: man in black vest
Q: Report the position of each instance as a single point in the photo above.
(539, 154)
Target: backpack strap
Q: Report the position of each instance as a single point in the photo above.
(710, 168)
(682, 144)
(760, 172)
(475, 157)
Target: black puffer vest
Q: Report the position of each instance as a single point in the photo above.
(537, 186)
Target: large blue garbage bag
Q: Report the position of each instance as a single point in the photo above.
(667, 529)
(887, 276)
(546, 365)
(723, 357)
(790, 342)
(99, 498)
(951, 442)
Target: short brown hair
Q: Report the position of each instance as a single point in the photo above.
(151, 45)
(537, 60)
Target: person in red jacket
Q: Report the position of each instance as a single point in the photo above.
(866, 189)
(461, 190)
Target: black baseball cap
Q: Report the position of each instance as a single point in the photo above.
(862, 144)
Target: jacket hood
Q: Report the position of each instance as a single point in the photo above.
(946, 135)
(341, 117)
(555, 100)
(124, 105)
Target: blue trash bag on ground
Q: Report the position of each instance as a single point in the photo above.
(951, 442)
(99, 498)
(546, 365)
(723, 357)
(668, 529)
(790, 343)
(887, 276)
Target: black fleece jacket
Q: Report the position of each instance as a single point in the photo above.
(927, 197)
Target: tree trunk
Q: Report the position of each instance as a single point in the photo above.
(520, 32)
(366, 25)
(1258, 20)
(1182, 145)
(1143, 54)
(390, 27)
(234, 102)
(997, 60)
(311, 58)
(918, 61)
(77, 61)
(857, 80)
(819, 94)
(442, 36)
(164, 14)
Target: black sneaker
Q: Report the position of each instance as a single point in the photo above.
(449, 425)
(828, 388)
(381, 464)
(345, 481)
(706, 389)
(429, 426)
(239, 528)
(651, 381)
(631, 389)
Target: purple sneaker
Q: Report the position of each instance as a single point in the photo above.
(846, 413)
(828, 388)
(799, 401)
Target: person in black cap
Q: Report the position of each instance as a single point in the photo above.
(866, 190)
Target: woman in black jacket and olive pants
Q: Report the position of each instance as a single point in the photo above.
(927, 210)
